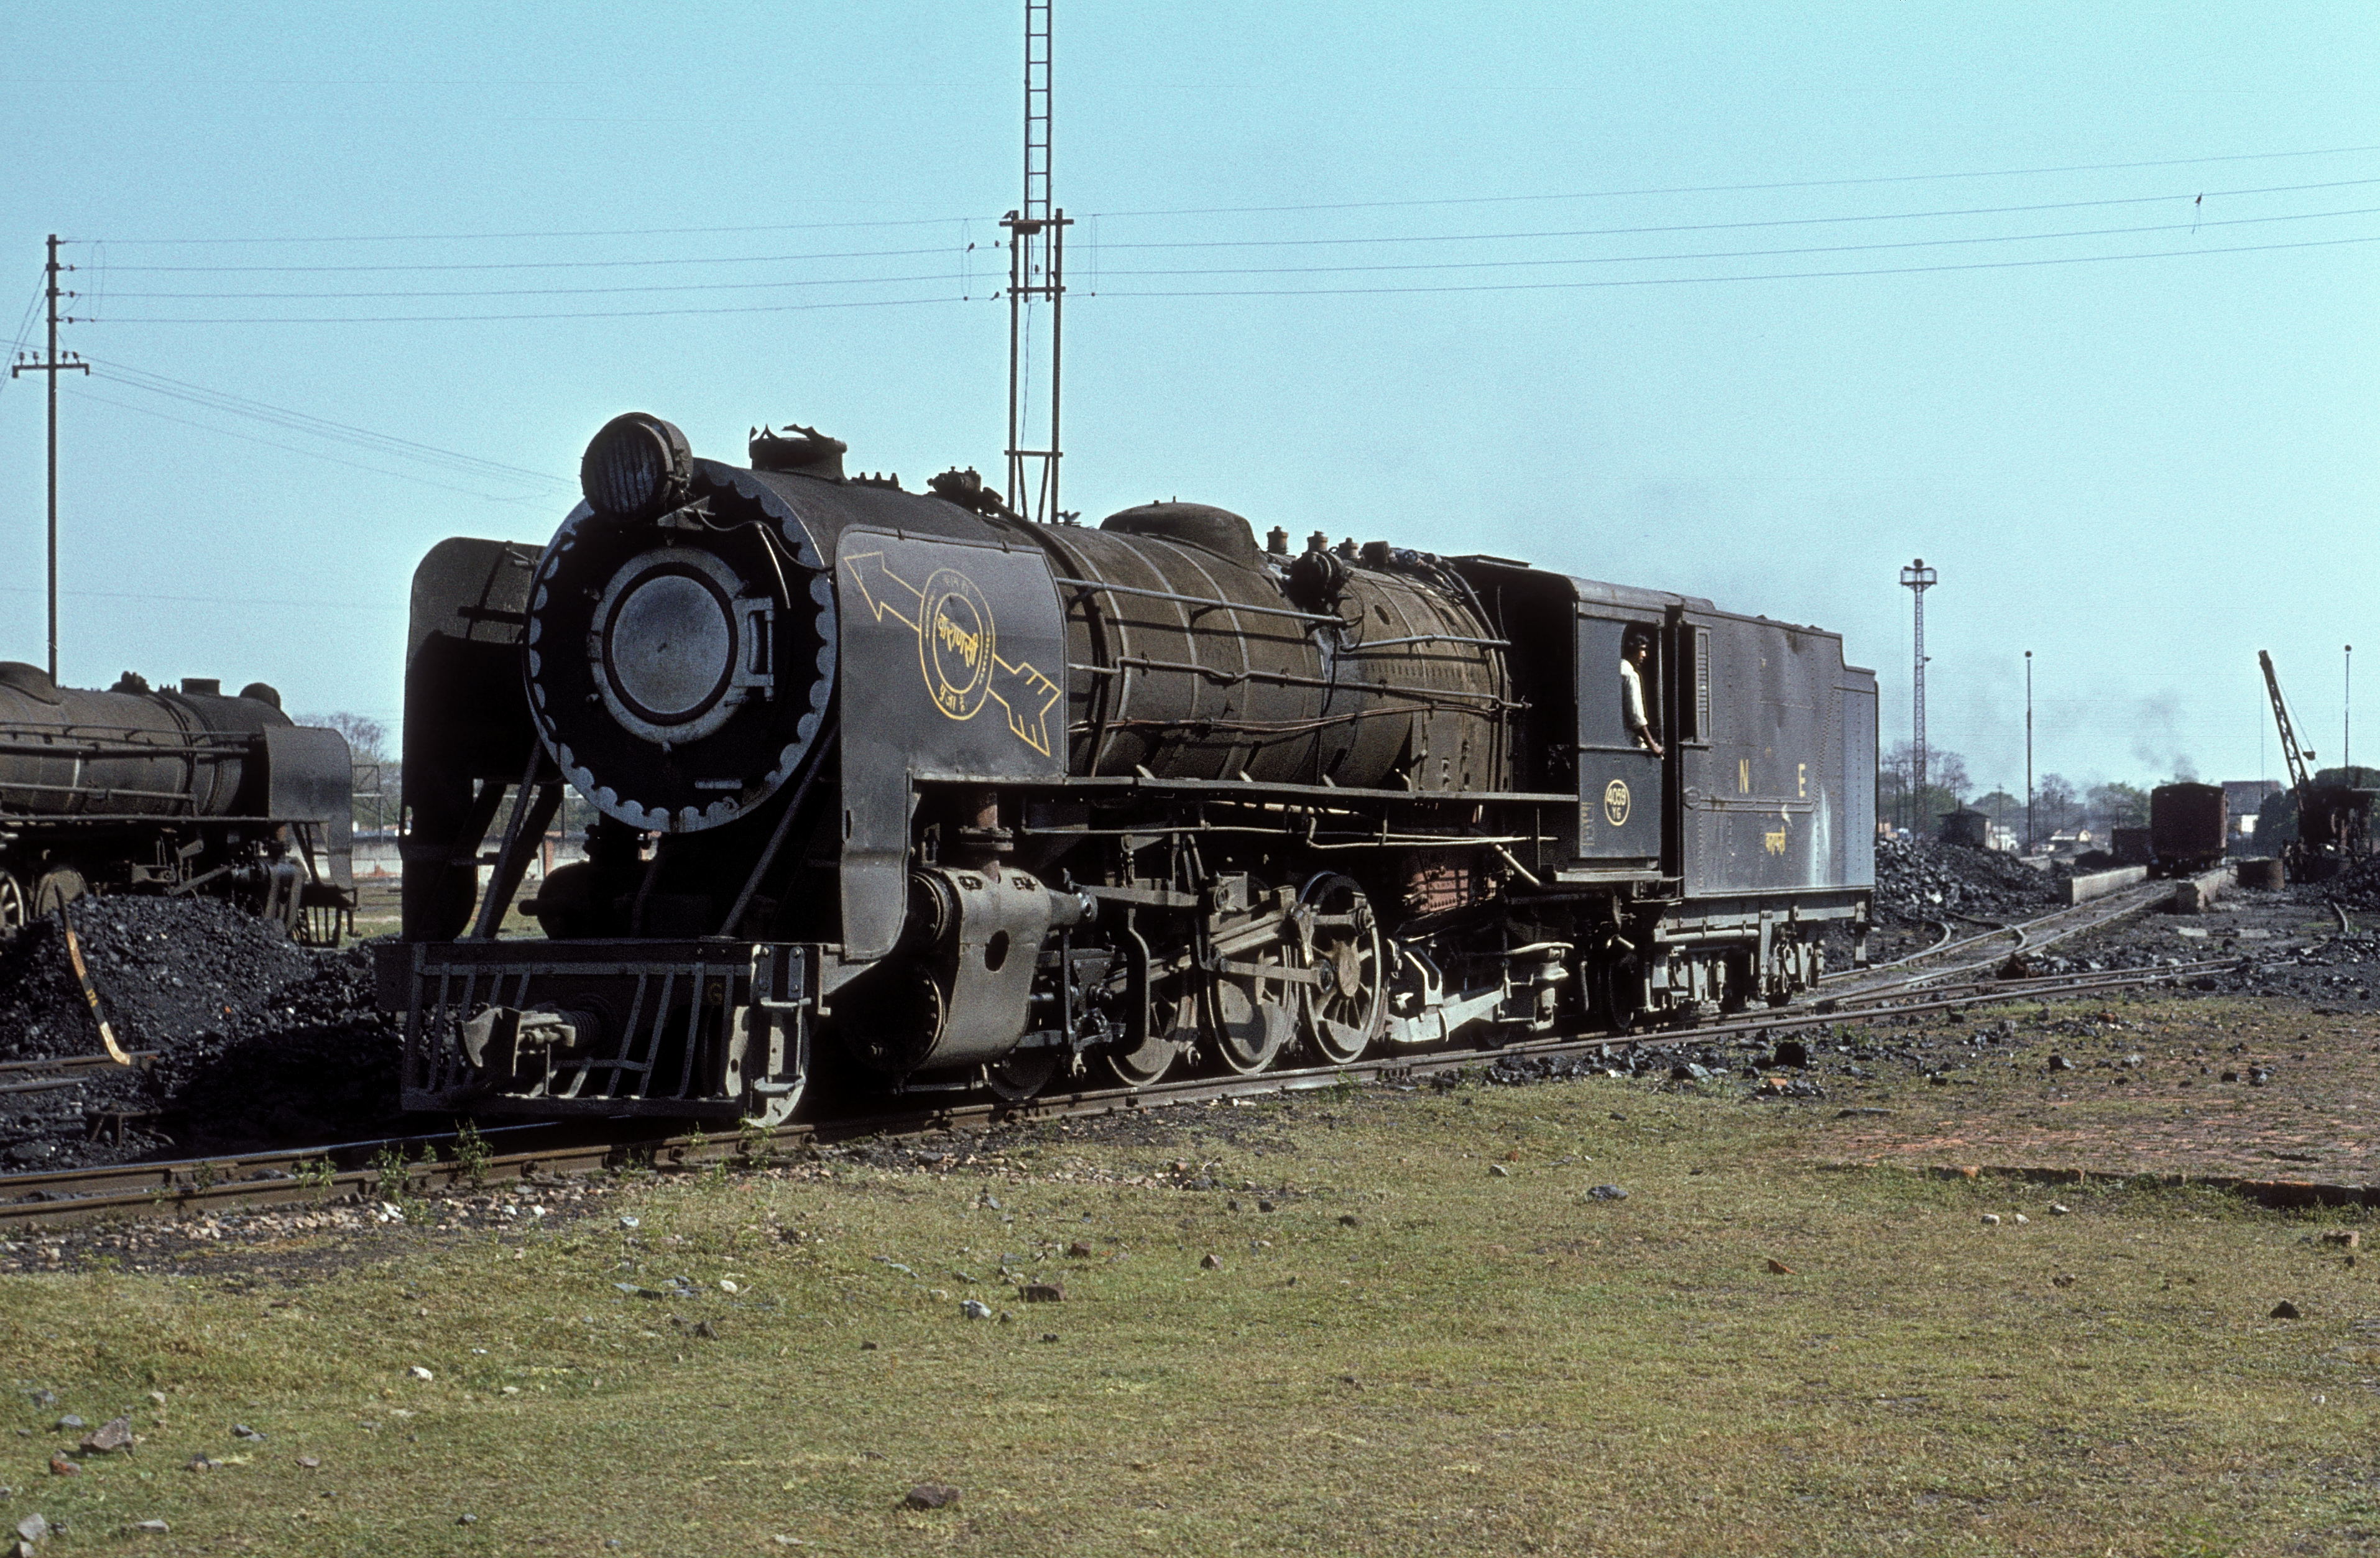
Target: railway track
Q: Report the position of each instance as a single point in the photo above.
(378, 1168)
(63, 1071)
(1955, 955)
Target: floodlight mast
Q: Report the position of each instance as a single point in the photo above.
(1036, 273)
(1917, 578)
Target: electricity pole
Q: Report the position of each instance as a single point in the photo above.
(1036, 259)
(2347, 717)
(2028, 752)
(53, 366)
(1918, 579)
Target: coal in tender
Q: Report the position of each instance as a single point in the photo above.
(258, 1041)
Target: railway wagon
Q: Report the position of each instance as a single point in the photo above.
(171, 790)
(2189, 827)
(901, 784)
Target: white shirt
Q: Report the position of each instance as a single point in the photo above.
(1632, 700)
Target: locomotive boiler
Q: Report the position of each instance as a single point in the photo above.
(176, 791)
(901, 784)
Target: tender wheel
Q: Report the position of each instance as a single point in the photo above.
(1021, 1073)
(1341, 1016)
(13, 912)
(1617, 988)
(1255, 1017)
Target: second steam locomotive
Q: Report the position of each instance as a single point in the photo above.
(901, 784)
(174, 791)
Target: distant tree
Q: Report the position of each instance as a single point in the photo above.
(373, 774)
(2119, 806)
(1945, 781)
(367, 738)
(2002, 808)
(2359, 776)
(2054, 804)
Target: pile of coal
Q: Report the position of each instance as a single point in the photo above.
(2335, 973)
(1919, 880)
(2357, 887)
(252, 1040)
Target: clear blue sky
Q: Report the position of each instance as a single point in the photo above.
(2144, 470)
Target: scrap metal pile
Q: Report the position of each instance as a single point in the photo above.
(252, 1039)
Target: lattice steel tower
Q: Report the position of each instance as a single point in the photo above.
(1918, 579)
(1037, 255)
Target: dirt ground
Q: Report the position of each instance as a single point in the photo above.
(1501, 1312)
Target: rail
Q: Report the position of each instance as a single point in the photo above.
(544, 1149)
(2029, 935)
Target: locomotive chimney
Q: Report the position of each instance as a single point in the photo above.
(803, 451)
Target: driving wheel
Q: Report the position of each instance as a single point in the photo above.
(1256, 1014)
(1145, 1064)
(1021, 1073)
(1342, 1014)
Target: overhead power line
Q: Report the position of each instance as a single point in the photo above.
(311, 454)
(1836, 183)
(1734, 253)
(581, 232)
(1191, 271)
(490, 319)
(321, 427)
(1744, 188)
(1932, 215)
(566, 291)
(204, 599)
(25, 328)
(1514, 286)
(538, 264)
(2184, 197)
(1763, 276)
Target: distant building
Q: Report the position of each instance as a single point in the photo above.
(2242, 799)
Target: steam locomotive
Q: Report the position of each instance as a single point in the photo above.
(903, 785)
(173, 791)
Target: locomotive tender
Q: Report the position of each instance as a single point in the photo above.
(173, 791)
(2189, 828)
(903, 784)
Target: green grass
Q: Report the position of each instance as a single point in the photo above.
(1480, 1364)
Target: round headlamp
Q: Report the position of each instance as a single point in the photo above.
(636, 466)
